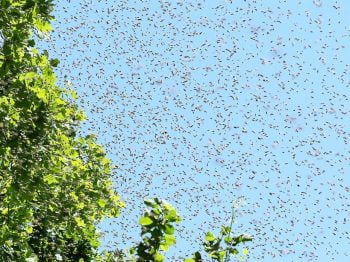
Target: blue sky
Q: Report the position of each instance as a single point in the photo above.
(203, 102)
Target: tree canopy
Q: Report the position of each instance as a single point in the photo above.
(54, 185)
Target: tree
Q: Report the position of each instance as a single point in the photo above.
(54, 185)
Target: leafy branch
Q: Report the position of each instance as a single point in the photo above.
(157, 230)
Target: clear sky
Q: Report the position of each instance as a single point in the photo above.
(202, 102)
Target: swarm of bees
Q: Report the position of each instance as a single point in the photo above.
(200, 102)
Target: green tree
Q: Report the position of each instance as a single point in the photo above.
(54, 185)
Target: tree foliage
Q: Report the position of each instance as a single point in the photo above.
(158, 232)
(54, 185)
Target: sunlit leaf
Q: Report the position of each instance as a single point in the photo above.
(145, 221)
(245, 251)
(158, 257)
(80, 222)
(210, 237)
(170, 240)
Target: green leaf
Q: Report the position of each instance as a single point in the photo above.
(225, 230)
(158, 257)
(228, 240)
(50, 179)
(172, 216)
(29, 230)
(80, 222)
(31, 43)
(101, 202)
(54, 62)
(170, 240)
(169, 229)
(245, 251)
(243, 238)
(167, 206)
(145, 221)
(210, 237)
(150, 203)
(197, 255)
(42, 26)
(164, 247)
(233, 251)
(221, 255)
